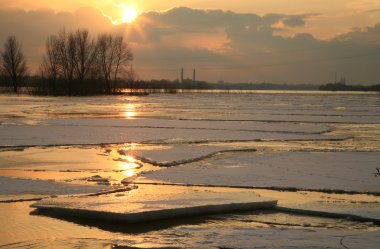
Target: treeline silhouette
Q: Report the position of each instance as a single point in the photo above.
(344, 87)
(165, 86)
(168, 86)
(73, 64)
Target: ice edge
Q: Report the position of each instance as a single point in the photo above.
(159, 214)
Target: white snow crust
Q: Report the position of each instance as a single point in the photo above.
(349, 171)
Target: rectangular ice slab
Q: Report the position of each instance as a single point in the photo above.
(158, 202)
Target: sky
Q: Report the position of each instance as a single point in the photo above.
(277, 41)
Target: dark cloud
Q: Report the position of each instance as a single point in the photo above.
(294, 21)
(364, 36)
(256, 53)
(184, 19)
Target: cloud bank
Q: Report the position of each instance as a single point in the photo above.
(221, 45)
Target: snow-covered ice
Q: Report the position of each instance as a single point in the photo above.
(180, 154)
(370, 210)
(191, 124)
(148, 203)
(189, 130)
(22, 135)
(349, 171)
(18, 186)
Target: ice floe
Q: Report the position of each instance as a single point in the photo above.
(148, 203)
(14, 186)
(364, 210)
(348, 171)
(181, 154)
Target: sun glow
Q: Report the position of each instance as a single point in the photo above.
(128, 165)
(130, 111)
(129, 14)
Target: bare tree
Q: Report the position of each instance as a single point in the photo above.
(123, 56)
(13, 63)
(132, 79)
(50, 67)
(59, 61)
(113, 58)
(67, 50)
(75, 57)
(85, 54)
(105, 58)
(69, 58)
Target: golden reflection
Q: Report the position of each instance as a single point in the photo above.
(130, 111)
(130, 159)
(128, 162)
(130, 114)
(129, 173)
(129, 165)
(133, 146)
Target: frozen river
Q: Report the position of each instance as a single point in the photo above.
(313, 151)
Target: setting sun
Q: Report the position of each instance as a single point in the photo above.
(130, 14)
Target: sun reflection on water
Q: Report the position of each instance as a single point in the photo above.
(129, 172)
(130, 159)
(130, 111)
(129, 165)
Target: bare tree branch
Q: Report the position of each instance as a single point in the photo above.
(13, 63)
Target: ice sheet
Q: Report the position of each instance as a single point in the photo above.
(66, 135)
(92, 120)
(191, 124)
(186, 118)
(349, 171)
(305, 118)
(264, 102)
(181, 154)
(18, 186)
(243, 236)
(362, 240)
(369, 210)
(158, 202)
(262, 229)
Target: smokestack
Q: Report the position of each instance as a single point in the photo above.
(181, 75)
(194, 75)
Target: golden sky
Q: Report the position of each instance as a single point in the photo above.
(248, 40)
(344, 14)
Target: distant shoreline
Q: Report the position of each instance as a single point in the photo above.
(141, 88)
(146, 92)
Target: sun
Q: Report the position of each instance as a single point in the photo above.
(129, 14)
(121, 13)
